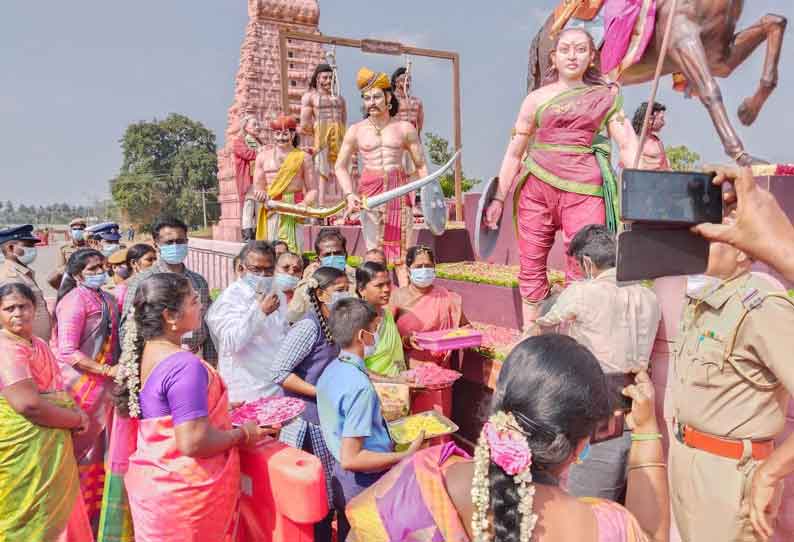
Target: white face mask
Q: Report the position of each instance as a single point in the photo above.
(370, 349)
(701, 286)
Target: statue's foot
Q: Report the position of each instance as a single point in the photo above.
(748, 111)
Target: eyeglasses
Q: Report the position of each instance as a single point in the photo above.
(335, 253)
(181, 241)
(261, 271)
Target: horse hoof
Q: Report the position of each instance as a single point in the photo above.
(747, 112)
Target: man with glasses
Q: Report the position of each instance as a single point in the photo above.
(248, 322)
(170, 239)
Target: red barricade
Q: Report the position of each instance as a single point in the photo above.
(283, 494)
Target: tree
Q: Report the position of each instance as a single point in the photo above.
(681, 158)
(166, 166)
(440, 153)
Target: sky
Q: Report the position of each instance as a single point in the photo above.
(75, 74)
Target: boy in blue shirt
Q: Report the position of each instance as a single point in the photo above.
(349, 409)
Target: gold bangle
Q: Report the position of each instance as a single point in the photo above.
(646, 465)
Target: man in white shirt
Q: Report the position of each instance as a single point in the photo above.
(248, 323)
(618, 323)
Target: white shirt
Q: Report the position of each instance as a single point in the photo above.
(247, 341)
(618, 323)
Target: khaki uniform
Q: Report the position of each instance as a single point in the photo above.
(65, 252)
(734, 389)
(16, 272)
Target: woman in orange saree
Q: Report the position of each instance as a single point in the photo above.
(423, 306)
(39, 482)
(183, 475)
(86, 335)
(549, 398)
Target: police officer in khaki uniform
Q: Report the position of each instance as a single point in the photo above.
(18, 246)
(733, 374)
(77, 229)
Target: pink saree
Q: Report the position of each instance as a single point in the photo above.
(438, 309)
(629, 26)
(175, 498)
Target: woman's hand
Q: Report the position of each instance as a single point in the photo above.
(412, 343)
(494, 213)
(642, 417)
(254, 434)
(85, 421)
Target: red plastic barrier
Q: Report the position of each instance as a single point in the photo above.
(283, 494)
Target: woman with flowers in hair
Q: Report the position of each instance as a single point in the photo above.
(305, 352)
(183, 469)
(550, 397)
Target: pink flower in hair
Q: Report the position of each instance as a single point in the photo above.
(509, 448)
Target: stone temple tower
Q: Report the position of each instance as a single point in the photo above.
(257, 89)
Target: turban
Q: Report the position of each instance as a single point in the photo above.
(283, 122)
(368, 79)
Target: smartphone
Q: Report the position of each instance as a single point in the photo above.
(670, 197)
(615, 383)
(608, 429)
(645, 253)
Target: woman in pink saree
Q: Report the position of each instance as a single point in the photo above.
(86, 336)
(183, 474)
(509, 491)
(423, 306)
(567, 182)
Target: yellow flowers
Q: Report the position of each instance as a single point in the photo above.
(433, 424)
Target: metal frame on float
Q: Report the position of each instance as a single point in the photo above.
(386, 48)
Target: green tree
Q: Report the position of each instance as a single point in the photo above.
(166, 166)
(440, 153)
(681, 158)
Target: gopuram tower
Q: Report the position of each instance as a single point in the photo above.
(257, 89)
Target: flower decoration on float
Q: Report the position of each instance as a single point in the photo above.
(505, 444)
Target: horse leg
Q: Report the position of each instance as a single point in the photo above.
(688, 52)
(769, 29)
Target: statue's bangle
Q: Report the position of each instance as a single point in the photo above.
(497, 198)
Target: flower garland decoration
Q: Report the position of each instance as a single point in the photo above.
(504, 443)
(128, 374)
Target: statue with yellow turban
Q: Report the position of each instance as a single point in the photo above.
(323, 119)
(282, 172)
(380, 141)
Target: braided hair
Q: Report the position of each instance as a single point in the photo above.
(322, 279)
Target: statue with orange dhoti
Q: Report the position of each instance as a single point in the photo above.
(568, 182)
(323, 119)
(411, 109)
(381, 141)
(244, 150)
(282, 172)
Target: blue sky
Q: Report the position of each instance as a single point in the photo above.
(75, 74)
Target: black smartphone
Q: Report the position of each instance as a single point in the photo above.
(608, 429)
(670, 197)
(645, 253)
(615, 383)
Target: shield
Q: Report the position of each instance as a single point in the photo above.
(484, 237)
(434, 207)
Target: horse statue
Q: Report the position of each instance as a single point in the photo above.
(703, 45)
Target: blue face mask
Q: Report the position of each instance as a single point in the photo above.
(109, 250)
(28, 256)
(585, 453)
(284, 282)
(78, 235)
(95, 282)
(423, 276)
(260, 284)
(173, 254)
(337, 262)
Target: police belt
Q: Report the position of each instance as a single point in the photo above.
(721, 446)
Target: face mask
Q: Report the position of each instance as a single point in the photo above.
(285, 282)
(109, 250)
(337, 262)
(123, 272)
(700, 286)
(261, 285)
(28, 255)
(78, 235)
(423, 276)
(337, 297)
(95, 282)
(585, 453)
(173, 254)
(369, 349)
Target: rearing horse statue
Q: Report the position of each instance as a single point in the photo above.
(704, 45)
